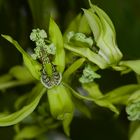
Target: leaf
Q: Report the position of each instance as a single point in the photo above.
(41, 12)
(132, 64)
(19, 115)
(33, 66)
(71, 69)
(57, 39)
(29, 132)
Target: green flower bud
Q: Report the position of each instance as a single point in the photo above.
(100, 47)
(133, 110)
(40, 43)
(80, 39)
(38, 34)
(51, 49)
(88, 75)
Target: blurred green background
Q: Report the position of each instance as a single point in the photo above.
(19, 17)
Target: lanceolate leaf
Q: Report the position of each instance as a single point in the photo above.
(33, 66)
(18, 116)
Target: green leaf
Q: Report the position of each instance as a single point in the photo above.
(19, 115)
(132, 64)
(71, 69)
(120, 95)
(57, 39)
(29, 132)
(33, 66)
(41, 12)
(21, 73)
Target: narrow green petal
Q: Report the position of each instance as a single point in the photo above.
(29, 132)
(21, 73)
(90, 55)
(121, 95)
(132, 64)
(33, 66)
(77, 64)
(18, 116)
(94, 23)
(93, 90)
(61, 105)
(56, 37)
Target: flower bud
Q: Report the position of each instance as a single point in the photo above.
(133, 110)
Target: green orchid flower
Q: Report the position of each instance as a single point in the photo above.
(46, 65)
(99, 45)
